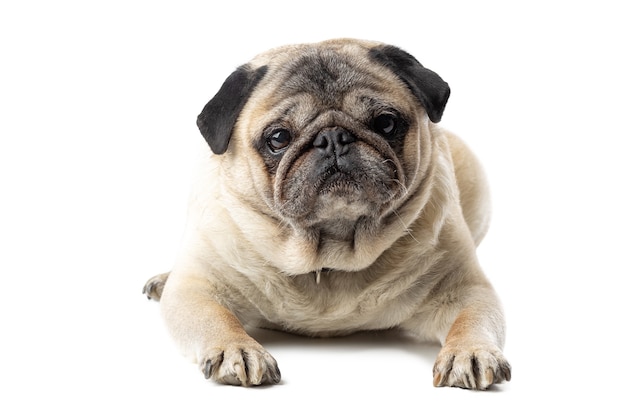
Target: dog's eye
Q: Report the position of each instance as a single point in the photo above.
(279, 140)
(385, 124)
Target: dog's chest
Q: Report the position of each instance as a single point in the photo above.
(332, 303)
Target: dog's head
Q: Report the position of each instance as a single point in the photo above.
(327, 135)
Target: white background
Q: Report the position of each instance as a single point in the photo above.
(98, 102)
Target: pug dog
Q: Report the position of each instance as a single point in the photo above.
(330, 202)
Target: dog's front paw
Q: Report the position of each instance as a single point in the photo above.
(473, 367)
(244, 364)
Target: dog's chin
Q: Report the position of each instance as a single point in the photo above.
(342, 200)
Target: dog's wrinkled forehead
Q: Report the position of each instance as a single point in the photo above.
(325, 74)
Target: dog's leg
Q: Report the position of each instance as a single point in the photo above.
(471, 356)
(213, 337)
(467, 319)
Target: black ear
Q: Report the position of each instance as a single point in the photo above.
(428, 87)
(218, 117)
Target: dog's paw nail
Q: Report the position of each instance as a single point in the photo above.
(489, 377)
(206, 369)
(437, 380)
(275, 375)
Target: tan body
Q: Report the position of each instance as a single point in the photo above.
(411, 266)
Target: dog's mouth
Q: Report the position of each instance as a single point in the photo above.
(337, 182)
(318, 190)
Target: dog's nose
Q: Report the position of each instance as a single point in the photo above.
(333, 140)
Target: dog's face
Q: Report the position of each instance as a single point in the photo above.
(328, 137)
